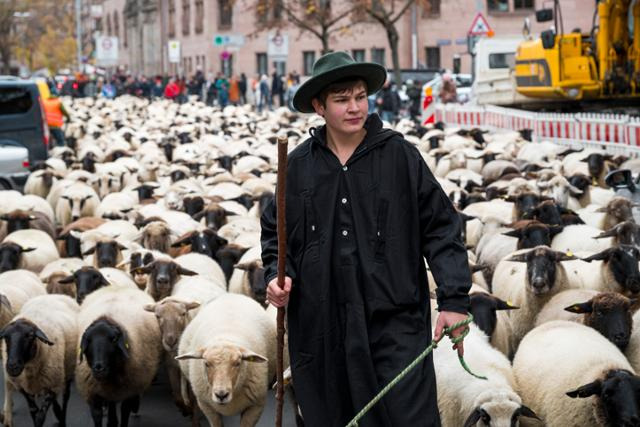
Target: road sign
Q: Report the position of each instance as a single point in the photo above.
(106, 51)
(235, 40)
(277, 46)
(225, 54)
(480, 26)
(428, 106)
(174, 51)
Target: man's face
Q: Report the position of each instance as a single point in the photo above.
(345, 112)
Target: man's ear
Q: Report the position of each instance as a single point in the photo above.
(317, 105)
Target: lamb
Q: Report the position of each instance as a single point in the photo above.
(69, 245)
(174, 313)
(465, 400)
(548, 380)
(609, 313)
(156, 235)
(39, 182)
(28, 249)
(228, 364)
(529, 279)
(204, 266)
(120, 351)
(53, 272)
(560, 190)
(39, 349)
(16, 288)
(76, 201)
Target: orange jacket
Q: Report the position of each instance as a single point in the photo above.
(53, 109)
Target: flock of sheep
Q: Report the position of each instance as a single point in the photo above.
(138, 248)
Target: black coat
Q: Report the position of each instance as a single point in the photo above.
(359, 308)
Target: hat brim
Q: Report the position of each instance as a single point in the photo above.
(373, 74)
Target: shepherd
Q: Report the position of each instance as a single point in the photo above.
(363, 211)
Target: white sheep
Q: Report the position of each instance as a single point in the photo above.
(49, 324)
(204, 266)
(228, 363)
(560, 361)
(115, 206)
(528, 279)
(38, 249)
(76, 201)
(464, 399)
(16, 288)
(580, 238)
(120, 349)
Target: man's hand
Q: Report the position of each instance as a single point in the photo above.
(278, 297)
(447, 319)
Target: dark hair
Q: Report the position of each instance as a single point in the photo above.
(344, 85)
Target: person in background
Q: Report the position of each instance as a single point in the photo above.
(413, 92)
(157, 90)
(276, 86)
(448, 91)
(388, 102)
(222, 85)
(172, 90)
(242, 88)
(234, 91)
(56, 113)
(265, 98)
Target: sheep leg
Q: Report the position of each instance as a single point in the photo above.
(135, 409)
(125, 409)
(174, 380)
(65, 402)
(7, 418)
(112, 419)
(33, 407)
(95, 405)
(41, 413)
(250, 417)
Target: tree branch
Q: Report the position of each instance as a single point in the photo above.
(402, 11)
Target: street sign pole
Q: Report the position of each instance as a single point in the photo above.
(79, 34)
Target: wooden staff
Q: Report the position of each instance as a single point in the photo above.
(282, 257)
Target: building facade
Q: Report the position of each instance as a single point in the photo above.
(229, 36)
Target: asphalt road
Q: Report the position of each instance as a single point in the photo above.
(156, 410)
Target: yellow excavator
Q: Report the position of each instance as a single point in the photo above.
(602, 65)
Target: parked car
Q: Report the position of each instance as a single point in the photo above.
(14, 165)
(22, 117)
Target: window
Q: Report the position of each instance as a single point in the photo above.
(308, 58)
(199, 26)
(125, 35)
(377, 55)
(433, 57)
(358, 55)
(281, 67)
(226, 14)
(502, 60)
(522, 4)
(431, 8)
(262, 11)
(109, 25)
(172, 18)
(186, 16)
(261, 63)
(498, 5)
(15, 100)
(277, 10)
(116, 25)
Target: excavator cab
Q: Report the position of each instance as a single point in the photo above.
(604, 64)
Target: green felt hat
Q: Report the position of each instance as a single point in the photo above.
(332, 67)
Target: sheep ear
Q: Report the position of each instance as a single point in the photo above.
(602, 210)
(122, 247)
(5, 301)
(586, 390)
(185, 240)
(562, 256)
(580, 308)
(478, 267)
(525, 411)
(145, 269)
(123, 263)
(250, 356)
(123, 345)
(198, 216)
(574, 190)
(28, 249)
(475, 416)
(89, 251)
(186, 272)
(193, 355)
(246, 266)
(612, 232)
(597, 257)
(504, 305)
(191, 305)
(42, 337)
(67, 280)
(518, 258)
(75, 233)
(150, 307)
(555, 229)
(513, 233)
(84, 343)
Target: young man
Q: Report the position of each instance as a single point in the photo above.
(362, 211)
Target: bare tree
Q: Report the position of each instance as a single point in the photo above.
(387, 13)
(317, 17)
(8, 8)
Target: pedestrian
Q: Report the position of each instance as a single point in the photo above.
(157, 90)
(413, 93)
(56, 113)
(222, 85)
(276, 86)
(363, 209)
(448, 91)
(264, 96)
(234, 91)
(389, 102)
(172, 89)
(242, 88)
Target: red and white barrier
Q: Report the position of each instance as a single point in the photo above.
(616, 132)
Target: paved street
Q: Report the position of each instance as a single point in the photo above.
(157, 410)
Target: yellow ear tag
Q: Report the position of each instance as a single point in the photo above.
(509, 303)
(126, 345)
(594, 182)
(569, 253)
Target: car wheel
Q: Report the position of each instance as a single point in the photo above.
(5, 185)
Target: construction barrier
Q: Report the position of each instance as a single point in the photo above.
(616, 133)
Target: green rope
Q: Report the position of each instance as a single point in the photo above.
(425, 353)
